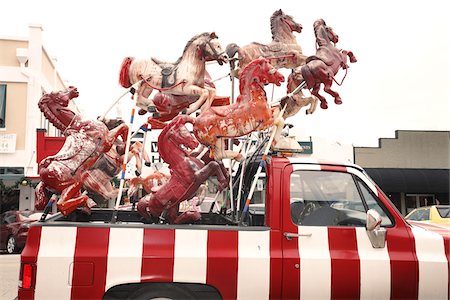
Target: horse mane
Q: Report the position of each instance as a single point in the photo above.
(48, 114)
(188, 44)
(248, 68)
(320, 33)
(273, 21)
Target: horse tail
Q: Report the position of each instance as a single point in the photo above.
(231, 50)
(124, 77)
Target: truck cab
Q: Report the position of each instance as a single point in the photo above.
(325, 231)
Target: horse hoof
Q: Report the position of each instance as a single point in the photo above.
(142, 112)
(147, 164)
(184, 111)
(323, 105)
(338, 101)
(156, 115)
(137, 173)
(151, 109)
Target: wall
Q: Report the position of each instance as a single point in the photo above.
(410, 149)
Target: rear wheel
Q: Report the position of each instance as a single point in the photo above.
(162, 291)
(11, 246)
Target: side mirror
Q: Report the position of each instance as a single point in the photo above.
(376, 234)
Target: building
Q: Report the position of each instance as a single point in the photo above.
(26, 72)
(412, 168)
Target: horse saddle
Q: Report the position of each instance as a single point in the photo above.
(168, 72)
(322, 54)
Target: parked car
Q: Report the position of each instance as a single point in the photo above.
(439, 214)
(14, 229)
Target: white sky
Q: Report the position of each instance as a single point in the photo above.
(401, 79)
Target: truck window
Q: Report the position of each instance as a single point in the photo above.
(328, 198)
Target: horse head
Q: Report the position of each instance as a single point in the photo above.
(281, 21)
(179, 134)
(63, 97)
(210, 49)
(261, 71)
(324, 34)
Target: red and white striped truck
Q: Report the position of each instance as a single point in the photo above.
(326, 231)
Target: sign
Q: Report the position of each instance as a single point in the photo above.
(7, 143)
(307, 147)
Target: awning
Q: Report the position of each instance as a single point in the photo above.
(430, 181)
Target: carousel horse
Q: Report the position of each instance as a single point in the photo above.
(184, 77)
(86, 140)
(283, 51)
(188, 173)
(169, 105)
(295, 102)
(249, 113)
(148, 183)
(322, 67)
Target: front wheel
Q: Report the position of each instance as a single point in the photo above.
(162, 291)
(11, 246)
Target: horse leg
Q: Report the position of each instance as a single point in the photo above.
(323, 101)
(312, 105)
(220, 152)
(209, 101)
(279, 124)
(142, 206)
(143, 102)
(41, 198)
(98, 182)
(71, 199)
(327, 89)
(121, 130)
(204, 94)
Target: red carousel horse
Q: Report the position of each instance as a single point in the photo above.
(187, 174)
(86, 141)
(251, 111)
(284, 51)
(322, 67)
(184, 77)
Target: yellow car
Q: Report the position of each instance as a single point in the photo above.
(439, 214)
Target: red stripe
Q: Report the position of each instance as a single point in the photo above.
(333, 168)
(345, 265)
(291, 274)
(90, 263)
(29, 255)
(276, 265)
(158, 255)
(222, 263)
(404, 265)
(447, 253)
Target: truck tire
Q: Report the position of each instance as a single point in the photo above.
(11, 246)
(164, 291)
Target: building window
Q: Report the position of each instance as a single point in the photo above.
(2, 105)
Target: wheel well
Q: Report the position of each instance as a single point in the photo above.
(199, 291)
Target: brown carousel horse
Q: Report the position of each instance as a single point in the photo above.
(184, 77)
(86, 140)
(283, 51)
(322, 67)
(188, 173)
(251, 111)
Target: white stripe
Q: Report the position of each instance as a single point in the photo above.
(375, 268)
(297, 167)
(364, 178)
(190, 255)
(315, 263)
(433, 267)
(124, 256)
(303, 160)
(253, 281)
(54, 263)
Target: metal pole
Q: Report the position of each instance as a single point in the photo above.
(258, 171)
(124, 165)
(131, 89)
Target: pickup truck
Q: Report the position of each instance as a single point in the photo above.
(325, 231)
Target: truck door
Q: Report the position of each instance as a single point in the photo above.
(327, 253)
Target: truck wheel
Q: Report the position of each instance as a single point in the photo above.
(162, 291)
(11, 246)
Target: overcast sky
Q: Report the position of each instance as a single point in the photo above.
(400, 82)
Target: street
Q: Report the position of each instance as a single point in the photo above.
(9, 275)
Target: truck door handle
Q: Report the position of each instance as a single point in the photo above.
(290, 235)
